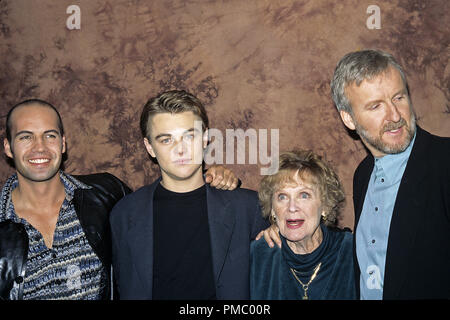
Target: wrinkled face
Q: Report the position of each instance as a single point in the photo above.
(177, 142)
(297, 208)
(36, 143)
(382, 113)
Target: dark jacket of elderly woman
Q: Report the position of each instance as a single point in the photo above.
(303, 200)
(271, 277)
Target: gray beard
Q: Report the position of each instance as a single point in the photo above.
(377, 142)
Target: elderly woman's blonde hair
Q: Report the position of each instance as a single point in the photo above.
(311, 168)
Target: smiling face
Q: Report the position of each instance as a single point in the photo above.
(297, 207)
(36, 145)
(177, 142)
(382, 113)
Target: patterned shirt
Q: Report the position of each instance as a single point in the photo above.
(372, 232)
(68, 270)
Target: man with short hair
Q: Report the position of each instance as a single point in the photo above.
(55, 240)
(401, 191)
(54, 233)
(177, 238)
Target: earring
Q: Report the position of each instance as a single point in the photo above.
(273, 217)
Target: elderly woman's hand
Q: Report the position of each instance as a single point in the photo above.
(271, 235)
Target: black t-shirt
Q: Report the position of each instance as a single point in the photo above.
(182, 264)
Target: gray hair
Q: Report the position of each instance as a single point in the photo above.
(357, 66)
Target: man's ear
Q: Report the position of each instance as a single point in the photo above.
(347, 119)
(149, 148)
(7, 147)
(63, 144)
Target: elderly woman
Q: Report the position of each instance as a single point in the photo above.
(315, 260)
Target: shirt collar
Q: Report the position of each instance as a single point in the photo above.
(6, 205)
(391, 165)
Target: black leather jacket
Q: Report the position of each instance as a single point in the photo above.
(92, 207)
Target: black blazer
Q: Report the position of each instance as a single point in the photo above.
(418, 250)
(234, 219)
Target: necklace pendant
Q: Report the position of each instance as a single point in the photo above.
(306, 286)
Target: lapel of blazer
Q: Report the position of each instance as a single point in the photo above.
(140, 237)
(360, 186)
(221, 221)
(405, 222)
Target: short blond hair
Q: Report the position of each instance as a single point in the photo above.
(311, 168)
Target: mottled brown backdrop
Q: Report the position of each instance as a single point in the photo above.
(261, 64)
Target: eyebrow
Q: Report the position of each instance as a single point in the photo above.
(305, 188)
(162, 135)
(30, 132)
(169, 135)
(401, 91)
(372, 102)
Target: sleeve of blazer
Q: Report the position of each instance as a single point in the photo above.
(259, 223)
(118, 223)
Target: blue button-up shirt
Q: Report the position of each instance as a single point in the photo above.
(372, 232)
